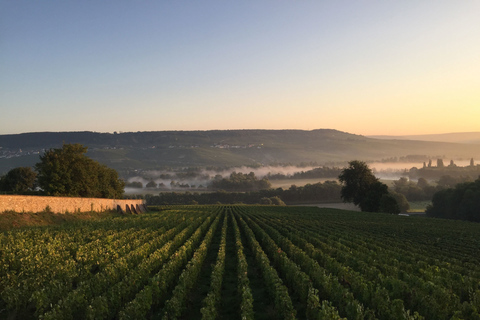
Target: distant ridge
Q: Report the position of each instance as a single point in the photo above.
(165, 138)
(455, 137)
(130, 151)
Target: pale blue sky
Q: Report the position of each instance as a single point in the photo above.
(365, 67)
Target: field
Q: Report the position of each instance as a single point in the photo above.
(243, 262)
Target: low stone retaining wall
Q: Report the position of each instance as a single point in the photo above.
(67, 204)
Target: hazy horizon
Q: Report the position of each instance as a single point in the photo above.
(374, 68)
(434, 136)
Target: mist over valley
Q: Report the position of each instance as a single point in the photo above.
(191, 160)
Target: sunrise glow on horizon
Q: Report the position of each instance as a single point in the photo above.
(370, 68)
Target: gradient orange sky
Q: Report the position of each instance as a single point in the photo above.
(371, 67)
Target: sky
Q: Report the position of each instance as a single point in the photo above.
(363, 67)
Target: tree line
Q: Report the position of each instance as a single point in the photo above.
(451, 199)
(66, 171)
(240, 182)
(422, 190)
(316, 173)
(461, 202)
(431, 172)
(328, 191)
(69, 172)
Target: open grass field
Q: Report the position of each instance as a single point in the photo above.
(243, 262)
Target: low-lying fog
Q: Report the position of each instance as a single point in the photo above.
(409, 165)
(394, 170)
(199, 179)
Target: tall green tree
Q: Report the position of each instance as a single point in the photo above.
(401, 201)
(18, 180)
(372, 200)
(69, 172)
(389, 204)
(461, 202)
(360, 186)
(356, 180)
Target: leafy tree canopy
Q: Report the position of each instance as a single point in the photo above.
(356, 180)
(389, 204)
(402, 202)
(241, 182)
(461, 202)
(360, 186)
(372, 200)
(69, 172)
(151, 184)
(18, 180)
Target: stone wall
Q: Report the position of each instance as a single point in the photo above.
(67, 204)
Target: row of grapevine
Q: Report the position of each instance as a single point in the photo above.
(296, 279)
(176, 304)
(103, 295)
(277, 262)
(86, 270)
(372, 285)
(275, 286)
(331, 286)
(160, 283)
(209, 310)
(244, 291)
(58, 261)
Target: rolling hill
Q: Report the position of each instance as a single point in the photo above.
(456, 137)
(223, 148)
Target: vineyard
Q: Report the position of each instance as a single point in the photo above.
(243, 262)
